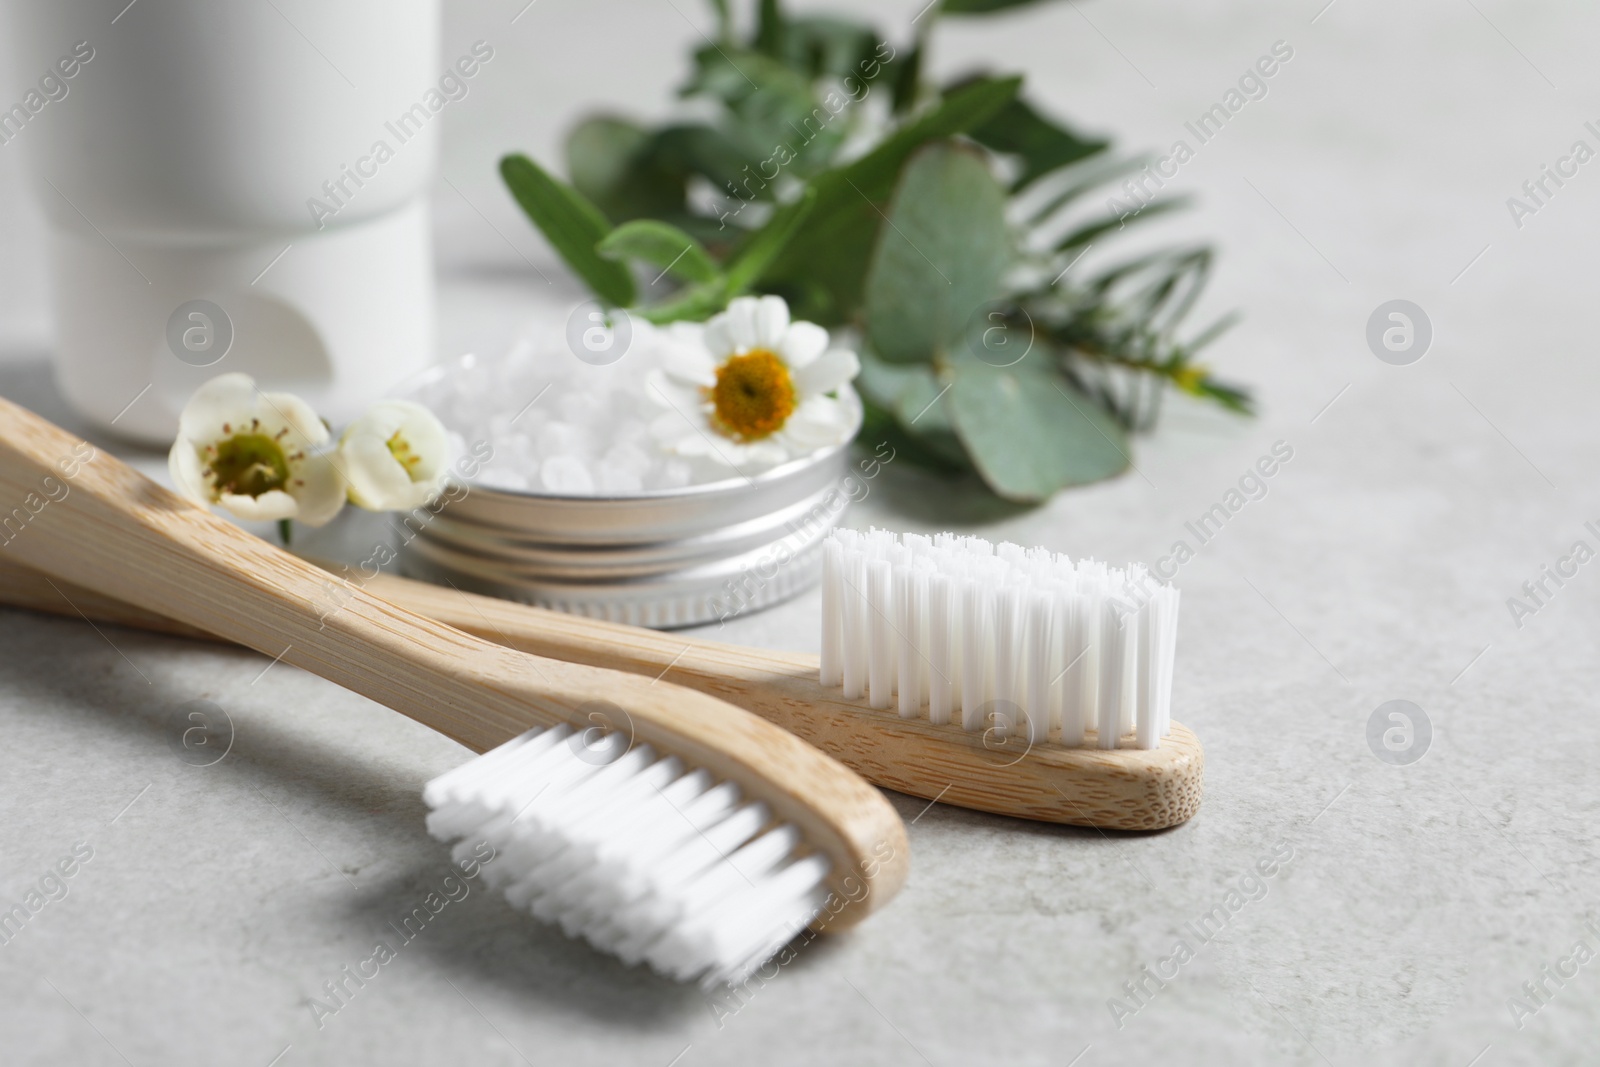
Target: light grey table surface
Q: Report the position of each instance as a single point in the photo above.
(1418, 900)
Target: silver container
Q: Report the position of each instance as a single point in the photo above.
(668, 558)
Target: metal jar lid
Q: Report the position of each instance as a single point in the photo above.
(664, 559)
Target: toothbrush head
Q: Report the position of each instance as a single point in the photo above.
(1002, 639)
(634, 851)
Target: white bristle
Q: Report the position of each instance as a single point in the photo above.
(976, 634)
(881, 634)
(635, 853)
(853, 611)
(1109, 699)
(1036, 701)
(832, 613)
(1012, 638)
(941, 648)
(908, 616)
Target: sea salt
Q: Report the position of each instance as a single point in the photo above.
(566, 475)
(558, 425)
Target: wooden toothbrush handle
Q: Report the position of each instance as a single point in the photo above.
(1120, 789)
(82, 516)
(1125, 789)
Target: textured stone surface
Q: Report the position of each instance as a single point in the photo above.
(1418, 900)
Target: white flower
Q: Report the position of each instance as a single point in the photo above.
(255, 454)
(751, 389)
(394, 456)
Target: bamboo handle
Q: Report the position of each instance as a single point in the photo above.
(1124, 789)
(88, 519)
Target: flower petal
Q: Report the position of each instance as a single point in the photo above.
(422, 433)
(377, 481)
(758, 455)
(188, 475)
(319, 490)
(771, 321)
(226, 400)
(666, 393)
(827, 372)
(741, 323)
(289, 410)
(689, 365)
(718, 338)
(804, 342)
(270, 506)
(819, 421)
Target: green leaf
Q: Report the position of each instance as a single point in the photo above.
(980, 7)
(571, 224)
(1089, 231)
(695, 148)
(1018, 129)
(611, 163)
(829, 257)
(694, 304)
(874, 173)
(770, 26)
(941, 257)
(662, 246)
(823, 46)
(907, 400)
(1028, 431)
(942, 453)
(768, 243)
(1078, 181)
(905, 78)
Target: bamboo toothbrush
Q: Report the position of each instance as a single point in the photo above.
(701, 849)
(1042, 775)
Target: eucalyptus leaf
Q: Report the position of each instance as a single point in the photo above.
(910, 401)
(833, 250)
(571, 224)
(941, 257)
(695, 148)
(1028, 431)
(611, 162)
(665, 247)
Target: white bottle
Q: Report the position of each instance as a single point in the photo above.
(218, 198)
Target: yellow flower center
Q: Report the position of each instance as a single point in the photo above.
(754, 395)
(249, 464)
(401, 450)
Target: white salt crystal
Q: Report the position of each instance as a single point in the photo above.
(561, 426)
(673, 474)
(629, 458)
(614, 479)
(566, 474)
(561, 439)
(581, 408)
(630, 431)
(500, 478)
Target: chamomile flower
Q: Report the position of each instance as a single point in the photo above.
(394, 456)
(751, 389)
(255, 454)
